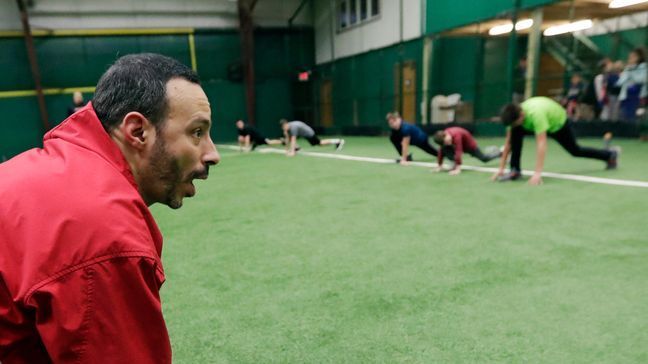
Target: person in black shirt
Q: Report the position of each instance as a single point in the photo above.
(77, 103)
(249, 135)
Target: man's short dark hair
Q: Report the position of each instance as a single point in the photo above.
(641, 55)
(439, 137)
(393, 114)
(137, 82)
(510, 113)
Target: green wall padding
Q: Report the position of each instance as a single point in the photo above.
(80, 61)
(273, 104)
(363, 85)
(493, 87)
(447, 14)
(215, 52)
(15, 65)
(20, 126)
(458, 59)
(227, 101)
(68, 62)
(489, 129)
(618, 45)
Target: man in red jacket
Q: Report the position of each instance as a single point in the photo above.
(80, 268)
(454, 141)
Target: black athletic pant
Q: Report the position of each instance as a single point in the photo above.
(449, 153)
(565, 137)
(258, 141)
(397, 138)
(477, 153)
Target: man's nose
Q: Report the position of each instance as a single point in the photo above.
(211, 156)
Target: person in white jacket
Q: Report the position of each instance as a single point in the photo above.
(633, 84)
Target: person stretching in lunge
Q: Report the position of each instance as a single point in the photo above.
(454, 141)
(543, 117)
(294, 129)
(405, 134)
(248, 134)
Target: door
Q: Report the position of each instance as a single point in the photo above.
(405, 90)
(408, 91)
(326, 103)
(550, 83)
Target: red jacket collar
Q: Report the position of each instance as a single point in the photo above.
(84, 129)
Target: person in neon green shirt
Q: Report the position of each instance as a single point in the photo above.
(543, 117)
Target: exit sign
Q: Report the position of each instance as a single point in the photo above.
(304, 76)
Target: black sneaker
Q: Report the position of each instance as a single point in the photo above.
(612, 163)
(510, 176)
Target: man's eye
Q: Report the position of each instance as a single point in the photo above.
(198, 133)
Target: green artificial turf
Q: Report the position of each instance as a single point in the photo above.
(309, 260)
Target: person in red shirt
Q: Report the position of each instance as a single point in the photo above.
(454, 141)
(80, 252)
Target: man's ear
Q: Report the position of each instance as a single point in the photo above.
(137, 130)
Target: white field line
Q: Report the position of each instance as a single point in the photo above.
(571, 177)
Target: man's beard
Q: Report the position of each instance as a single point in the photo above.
(164, 170)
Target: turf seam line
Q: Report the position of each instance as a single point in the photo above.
(570, 177)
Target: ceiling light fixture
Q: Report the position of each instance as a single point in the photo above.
(568, 28)
(507, 28)
(615, 4)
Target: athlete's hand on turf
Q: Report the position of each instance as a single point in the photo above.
(403, 162)
(290, 154)
(536, 180)
(455, 172)
(497, 175)
(437, 169)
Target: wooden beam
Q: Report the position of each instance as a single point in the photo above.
(246, 25)
(33, 63)
(533, 55)
(512, 52)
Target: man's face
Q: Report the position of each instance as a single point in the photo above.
(77, 98)
(519, 121)
(285, 127)
(183, 149)
(447, 139)
(394, 123)
(239, 124)
(575, 79)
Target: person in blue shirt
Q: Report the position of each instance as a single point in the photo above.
(405, 134)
